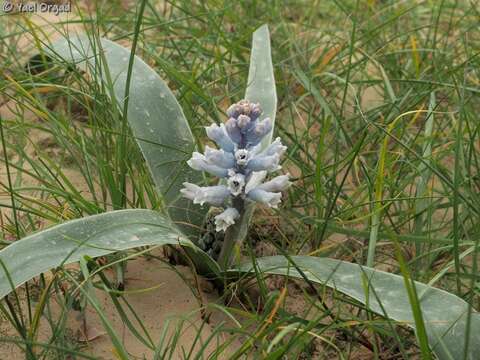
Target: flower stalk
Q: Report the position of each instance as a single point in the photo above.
(233, 233)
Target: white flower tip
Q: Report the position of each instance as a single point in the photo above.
(209, 149)
(199, 200)
(190, 190)
(211, 128)
(275, 200)
(226, 219)
(256, 179)
(196, 161)
(236, 183)
(242, 157)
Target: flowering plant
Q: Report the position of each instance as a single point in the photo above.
(242, 160)
(244, 164)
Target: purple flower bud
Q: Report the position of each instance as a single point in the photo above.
(263, 128)
(233, 130)
(259, 131)
(233, 111)
(255, 111)
(243, 122)
(244, 107)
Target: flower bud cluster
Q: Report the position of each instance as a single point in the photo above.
(241, 161)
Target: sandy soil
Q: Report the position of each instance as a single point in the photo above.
(170, 299)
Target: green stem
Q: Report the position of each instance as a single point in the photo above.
(236, 233)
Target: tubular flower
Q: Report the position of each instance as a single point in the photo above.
(226, 218)
(200, 162)
(272, 199)
(242, 162)
(214, 195)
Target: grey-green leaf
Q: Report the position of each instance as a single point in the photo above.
(261, 79)
(94, 236)
(445, 314)
(155, 117)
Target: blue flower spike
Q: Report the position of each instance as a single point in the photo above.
(242, 162)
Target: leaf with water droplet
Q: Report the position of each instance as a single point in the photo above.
(96, 235)
(158, 138)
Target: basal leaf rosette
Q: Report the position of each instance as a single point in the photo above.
(242, 162)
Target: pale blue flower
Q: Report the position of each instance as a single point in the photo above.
(215, 195)
(271, 199)
(233, 130)
(219, 158)
(226, 218)
(276, 147)
(220, 136)
(200, 163)
(269, 163)
(257, 132)
(254, 180)
(279, 183)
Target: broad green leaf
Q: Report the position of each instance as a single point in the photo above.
(261, 79)
(154, 115)
(445, 314)
(94, 236)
